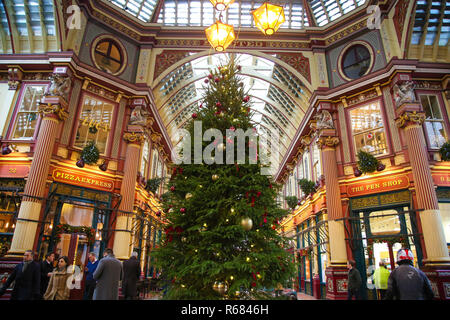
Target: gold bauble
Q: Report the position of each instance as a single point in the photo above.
(247, 224)
(215, 286)
(215, 177)
(222, 288)
(188, 196)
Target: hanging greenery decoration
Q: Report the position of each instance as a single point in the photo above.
(307, 186)
(389, 240)
(93, 129)
(444, 151)
(67, 228)
(367, 163)
(90, 153)
(153, 184)
(291, 201)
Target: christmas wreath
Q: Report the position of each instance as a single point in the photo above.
(367, 163)
(90, 153)
(445, 151)
(67, 228)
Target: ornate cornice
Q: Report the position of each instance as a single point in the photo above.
(133, 137)
(410, 118)
(53, 109)
(330, 142)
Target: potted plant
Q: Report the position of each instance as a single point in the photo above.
(444, 151)
(153, 184)
(307, 186)
(291, 201)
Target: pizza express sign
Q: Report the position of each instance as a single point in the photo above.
(378, 186)
(75, 178)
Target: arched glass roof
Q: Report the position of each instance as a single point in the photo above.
(279, 99)
(299, 13)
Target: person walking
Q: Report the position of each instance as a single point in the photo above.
(57, 286)
(108, 274)
(354, 281)
(46, 271)
(89, 285)
(27, 279)
(131, 274)
(406, 282)
(380, 278)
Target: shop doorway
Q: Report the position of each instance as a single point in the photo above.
(376, 236)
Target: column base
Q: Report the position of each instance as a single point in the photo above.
(439, 277)
(316, 287)
(336, 282)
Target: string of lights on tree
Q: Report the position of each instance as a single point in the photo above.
(268, 18)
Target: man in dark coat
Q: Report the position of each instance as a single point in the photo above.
(46, 271)
(27, 277)
(354, 281)
(131, 274)
(90, 283)
(108, 274)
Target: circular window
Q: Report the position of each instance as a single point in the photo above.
(109, 55)
(356, 61)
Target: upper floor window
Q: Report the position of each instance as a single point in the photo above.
(368, 129)
(109, 55)
(95, 123)
(316, 163)
(434, 122)
(144, 159)
(356, 61)
(27, 116)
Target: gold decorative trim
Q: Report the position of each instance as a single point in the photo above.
(133, 137)
(330, 142)
(56, 109)
(410, 118)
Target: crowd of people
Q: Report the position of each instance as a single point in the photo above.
(50, 280)
(404, 283)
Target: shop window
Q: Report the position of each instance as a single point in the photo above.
(108, 56)
(434, 122)
(144, 160)
(356, 61)
(95, 123)
(368, 129)
(26, 120)
(384, 222)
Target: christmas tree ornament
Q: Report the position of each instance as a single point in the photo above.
(247, 259)
(218, 104)
(217, 80)
(172, 188)
(210, 76)
(182, 210)
(183, 239)
(194, 116)
(222, 288)
(235, 120)
(103, 166)
(206, 80)
(232, 210)
(246, 99)
(188, 196)
(357, 172)
(215, 177)
(170, 210)
(239, 67)
(381, 167)
(247, 224)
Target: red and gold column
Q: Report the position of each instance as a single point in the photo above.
(28, 218)
(122, 233)
(336, 272)
(437, 257)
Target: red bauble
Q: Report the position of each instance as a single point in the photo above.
(210, 76)
(194, 116)
(172, 188)
(246, 99)
(158, 214)
(183, 210)
(253, 284)
(357, 172)
(239, 67)
(217, 79)
(206, 80)
(218, 104)
(103, 166)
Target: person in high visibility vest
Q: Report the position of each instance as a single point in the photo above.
(381, 277)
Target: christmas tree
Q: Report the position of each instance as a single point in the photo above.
(222, 237)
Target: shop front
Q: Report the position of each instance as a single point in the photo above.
(379, 224)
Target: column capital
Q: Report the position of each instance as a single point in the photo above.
(134, 137)
(410, 118)
(53, 111)
(328, 141)
(15, 76)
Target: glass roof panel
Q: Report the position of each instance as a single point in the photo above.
(142, 9)
(326, 11)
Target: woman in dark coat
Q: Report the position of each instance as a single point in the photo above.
(131, 274)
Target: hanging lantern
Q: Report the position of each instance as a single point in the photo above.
(221, 5)
(268, 18)
(220, 35)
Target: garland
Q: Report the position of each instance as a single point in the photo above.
(445, 151)
(367, 163)
(390, 240)
(67, 228)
